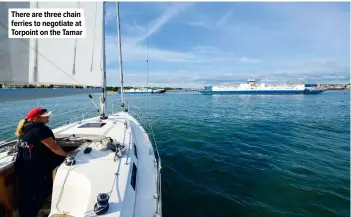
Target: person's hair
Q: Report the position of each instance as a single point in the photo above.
(19, 130)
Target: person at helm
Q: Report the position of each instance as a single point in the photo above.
(38, 155)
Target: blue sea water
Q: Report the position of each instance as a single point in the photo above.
(235, 155)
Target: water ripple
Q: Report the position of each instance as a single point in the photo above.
(239, 155)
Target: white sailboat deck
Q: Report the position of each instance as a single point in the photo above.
(76, 187)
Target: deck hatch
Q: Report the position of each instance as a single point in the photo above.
(92, 125)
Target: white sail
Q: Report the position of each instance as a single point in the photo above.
(14, 53)
(58, 61)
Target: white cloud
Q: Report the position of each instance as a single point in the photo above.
(249, 60)
(199, 23)
(224, 18)
(133, 50)
(201, 76)
(134, 28)
(172, 11)
(110, 12)
(205, 49)
(324, 25)
(198, 54)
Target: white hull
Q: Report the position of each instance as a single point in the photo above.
(137, 90)
(259, 87)
(254, 88)
(76, 187)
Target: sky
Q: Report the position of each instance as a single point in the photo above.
(208, 43)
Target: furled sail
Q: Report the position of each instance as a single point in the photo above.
(53, 61)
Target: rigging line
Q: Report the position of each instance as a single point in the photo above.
(92, 52)
(86, 112)
(64, 182)
(46, 105)
(75, 52)
(76, 110)
(53, 110)
(47, 59)
(147, 57)
(113, 184)
(70, 121)
(55, 104)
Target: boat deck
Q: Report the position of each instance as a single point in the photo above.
(121, 163)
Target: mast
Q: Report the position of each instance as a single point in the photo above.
(74, 57)
(75, 53)
(35, 69)
(103, 89)
(120, 54)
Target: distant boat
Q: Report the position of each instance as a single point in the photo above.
(8, 87)
(251, 87)
(142, 91)
(147, 89)
(137, 91)
(160, 91)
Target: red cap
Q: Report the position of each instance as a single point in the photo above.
(36, 112)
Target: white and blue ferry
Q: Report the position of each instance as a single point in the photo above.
(251, 87)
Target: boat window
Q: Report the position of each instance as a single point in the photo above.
(135, 151)
(133, 179)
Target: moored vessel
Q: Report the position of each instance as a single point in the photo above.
(251, 87)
